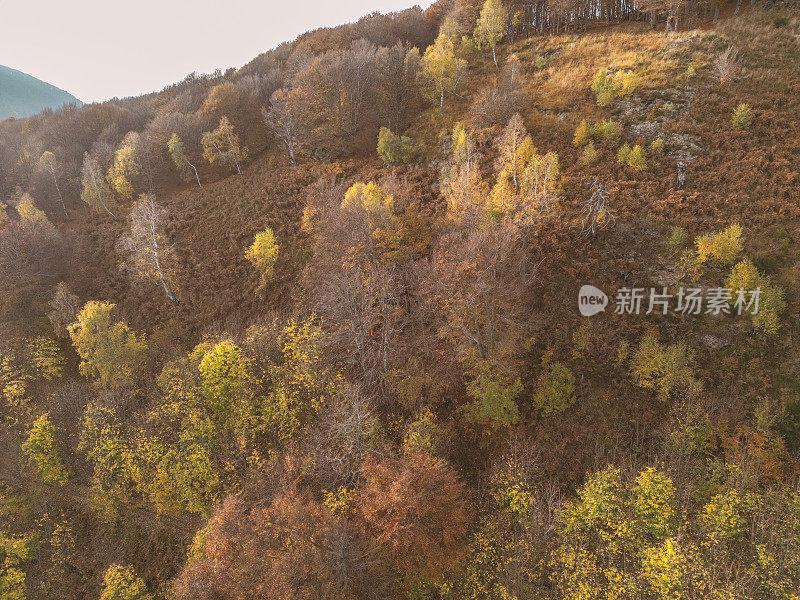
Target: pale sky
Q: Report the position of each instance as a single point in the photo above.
(98, 49)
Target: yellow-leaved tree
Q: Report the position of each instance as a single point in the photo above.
(109, 350)
(491, 26)
(125, 167)
(263, 253)
(441, 67)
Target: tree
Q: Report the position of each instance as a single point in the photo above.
(415, 508)
(49, 163)
(109, 351)
(395, 149)
(223, 142)
(95, 191)
(126, 167)
(281, 118)
(177, 150)
(441, 67)
(263, 253)
(555, 388)
(491, 25)
(41, 449)
(65, 307)
(122, 583)
(148, 255)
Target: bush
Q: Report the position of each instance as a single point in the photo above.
(623, 154)
(723, 246)
(395, 149)
(589, 154)
(583, 134)
(607, 131)
(664, 369)
(637, 159)
(626, 82)
(742, 117)
(555, 389)
(677, 239)
(603, 88)
(745, 276)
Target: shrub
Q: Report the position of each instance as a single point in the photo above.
(395, 149)
(607, 131)
(657, 146)
(583, 134)
(122, 583)
(745, 276)
(637, 159)
(623, 154)
(603, 88)
(664, 369)
(555, 389)
(677, 239)
(742, 117)
(626, 82)
(589, 154)
(723, 246)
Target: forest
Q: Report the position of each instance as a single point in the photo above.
(310, 329)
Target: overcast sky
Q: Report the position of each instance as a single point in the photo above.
(98, 49)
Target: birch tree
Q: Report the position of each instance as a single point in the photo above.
(281, 119)
(223, 142)
(95, 191)
(177, 150)
(441, 67)
(49, 163)
(148, 254)
(491, 26)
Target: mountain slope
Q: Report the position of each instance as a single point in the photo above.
(22, 95)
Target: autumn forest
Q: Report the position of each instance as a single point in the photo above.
(310, 329)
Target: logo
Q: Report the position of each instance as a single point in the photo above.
(591, 301)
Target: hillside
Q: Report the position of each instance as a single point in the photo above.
(312, 328)
(22, 95)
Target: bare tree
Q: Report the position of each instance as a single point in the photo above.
(145, 247)
(50, 164)
(595, 208)
(281, 119)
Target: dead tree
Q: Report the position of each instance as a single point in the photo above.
(595, 208)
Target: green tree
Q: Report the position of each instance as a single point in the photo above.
(395, 149)
(555, 389)
(41, 449)
(491, 26)
(177, 151)
(742, 117)
(494, 399)
(109, 351)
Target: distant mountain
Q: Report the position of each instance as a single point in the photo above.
(22, 95)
